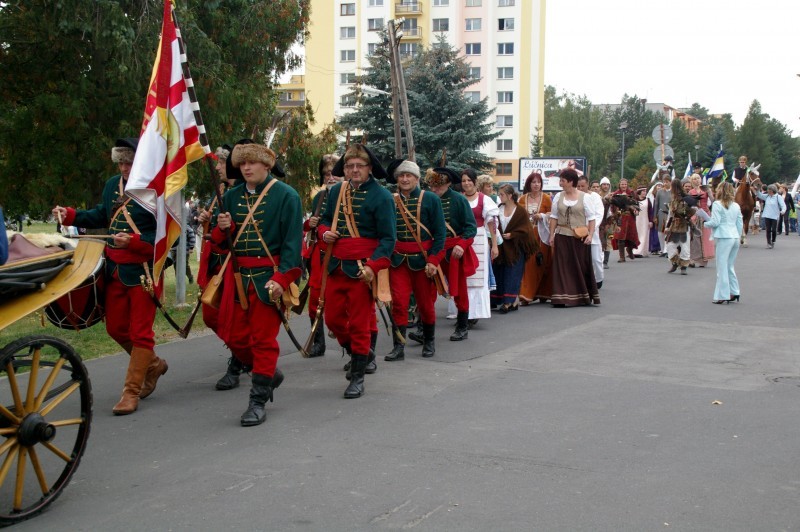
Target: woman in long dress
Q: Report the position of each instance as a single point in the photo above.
(642, 223)
(536, 279)
(518, 244)
(573, 274)
(485, 211)
(702, 247)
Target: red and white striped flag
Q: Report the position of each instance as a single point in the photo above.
(168, 142)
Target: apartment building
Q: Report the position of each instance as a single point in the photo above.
(502, 40)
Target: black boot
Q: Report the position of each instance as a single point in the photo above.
(230, 380)
(372, 366)
(318, 347)
(398, 351)
(418, 335)
(260, 392)
(356, 387)
(462, 327)
(428, 347)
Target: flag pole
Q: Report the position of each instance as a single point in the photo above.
(203, 137)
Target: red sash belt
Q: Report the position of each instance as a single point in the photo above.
(409, 248)
(467, 265)
(126, 256)
(227, 302)
(354, 248)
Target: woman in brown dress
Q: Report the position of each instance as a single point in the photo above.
(536, 282)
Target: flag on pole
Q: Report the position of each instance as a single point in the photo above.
(168, 142)
(718, 168)
(689, 168)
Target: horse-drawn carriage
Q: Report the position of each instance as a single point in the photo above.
(45, 392)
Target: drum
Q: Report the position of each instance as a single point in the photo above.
(82, 307)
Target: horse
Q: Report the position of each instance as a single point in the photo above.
(746, 199)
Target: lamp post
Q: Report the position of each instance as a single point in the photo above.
(696, 147)
(622, 127)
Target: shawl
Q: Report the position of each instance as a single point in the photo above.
(522, 243)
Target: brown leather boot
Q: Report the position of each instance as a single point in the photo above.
(157, 368)
(134, 379)
(621, 255)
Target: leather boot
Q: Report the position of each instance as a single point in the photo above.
(356, 387)
(630, 253)
(398, 351)
(428, 347)
(260, 392)
(230, 380)
(134, 379)
(318, 347)
(418, 335)
(372, 366)
(462, 327)
(156, 369)
(621, 255)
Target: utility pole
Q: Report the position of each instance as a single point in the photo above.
(397, 75)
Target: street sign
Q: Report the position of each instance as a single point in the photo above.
(668, 152)
(662, 134)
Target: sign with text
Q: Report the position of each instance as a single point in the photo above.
(549, 167)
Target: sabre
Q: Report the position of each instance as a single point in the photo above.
(286, 326)
(147, 286)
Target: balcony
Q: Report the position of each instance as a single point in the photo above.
(411, 34)
(408, 8)
(290, 103)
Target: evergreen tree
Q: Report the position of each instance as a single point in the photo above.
(753, 140)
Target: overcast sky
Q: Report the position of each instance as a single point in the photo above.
(720, 54)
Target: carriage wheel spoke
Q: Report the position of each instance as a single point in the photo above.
(12, 381)
(7, 431)
(37, 354)
(66, 422)
(19, 488)
(9, 460)
(37, 468)
(60, 397)
(48, 383)
(6, 413)
(56, 451)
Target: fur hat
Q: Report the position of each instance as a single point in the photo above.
(438, 176)
(252, 153)
(124, 150)
(327, 162)
(399, 166)
(605, 181)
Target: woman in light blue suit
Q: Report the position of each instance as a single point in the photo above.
(726, 223)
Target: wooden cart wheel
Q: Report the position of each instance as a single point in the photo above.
(45, 413)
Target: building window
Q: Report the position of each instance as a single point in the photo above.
(505, 24)
(347, 32)
(505, 72)
(503, 168)
(473, 96)
(348, 100)
(505, 3)
(505, 48)
(505, 97)
(441, 3)
(505, 121)
(374, 24)
(408, 49)
(372, 47)
(348, 55)
(441, 24)
(348, 10)
(375, 3)
(473, 24)
(504, 144)
(474, 73)
(473, 3)
(347, 78)
(472, 48)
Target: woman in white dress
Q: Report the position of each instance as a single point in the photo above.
(486, 212)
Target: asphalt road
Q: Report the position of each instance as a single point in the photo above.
(599, 418)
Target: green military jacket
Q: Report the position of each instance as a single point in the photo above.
(141, 251)
(279, 220)
(374, 214)
(431, 215)
(459, 218)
